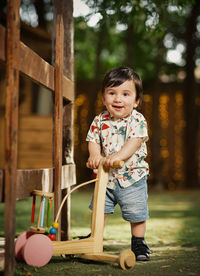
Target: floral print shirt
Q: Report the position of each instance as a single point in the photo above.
(111, 135)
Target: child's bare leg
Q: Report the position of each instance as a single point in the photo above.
(138, 229)
(105, 218)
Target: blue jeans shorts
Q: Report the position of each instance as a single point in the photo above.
(132, 201)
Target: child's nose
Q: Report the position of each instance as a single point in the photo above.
(118, 98)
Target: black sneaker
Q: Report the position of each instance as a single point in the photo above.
(84, 237)
(149, 251)
(140, 249)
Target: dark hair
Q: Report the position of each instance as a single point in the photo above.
(119, 75)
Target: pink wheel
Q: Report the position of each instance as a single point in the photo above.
(19, 244)
(38, 250)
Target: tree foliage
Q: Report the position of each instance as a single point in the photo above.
(136, 33)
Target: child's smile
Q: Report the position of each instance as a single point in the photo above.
(120, 100)
(117, 107)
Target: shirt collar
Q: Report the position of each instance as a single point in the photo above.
(105, 116)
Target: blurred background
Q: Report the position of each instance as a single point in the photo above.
(160, 40)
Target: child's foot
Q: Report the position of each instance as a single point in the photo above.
(140, 249)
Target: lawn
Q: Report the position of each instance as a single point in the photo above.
(173, 233)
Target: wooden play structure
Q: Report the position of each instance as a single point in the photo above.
(36, 249)
(17, 58)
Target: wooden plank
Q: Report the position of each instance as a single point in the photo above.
(37, 68)
(58, 122)
(12, 96)
(29, 180)
(98, 208)
(36, 137)
(1, 185)
(2, 254)
(35, 142)
(2, 141)
(100, 257)
(2, 43)
(36, 123)
(126, 259)
(32, 146)
(36, 162)
(68, 176)
(38, 179)
(41, 179)
(73, 247)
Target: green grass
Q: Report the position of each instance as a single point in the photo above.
(173, 233)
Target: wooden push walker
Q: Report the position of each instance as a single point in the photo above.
(37, 249)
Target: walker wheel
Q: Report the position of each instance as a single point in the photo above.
(127, 259)
(38, 250)
(19, 244)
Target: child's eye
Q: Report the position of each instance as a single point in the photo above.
(126, 94)
(111, 93)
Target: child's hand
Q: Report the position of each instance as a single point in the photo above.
(93, 161)
(109, 160)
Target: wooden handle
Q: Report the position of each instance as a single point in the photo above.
(116, 164)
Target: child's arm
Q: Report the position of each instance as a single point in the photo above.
(129, 148)
(94, 155)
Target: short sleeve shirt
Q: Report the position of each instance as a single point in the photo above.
(111, 135)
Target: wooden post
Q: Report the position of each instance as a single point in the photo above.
(68, 108)
(12, 94)
(65, 9)
(59, 46)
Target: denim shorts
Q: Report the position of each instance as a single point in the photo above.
(132, 201)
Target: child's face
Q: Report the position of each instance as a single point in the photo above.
(120, 100)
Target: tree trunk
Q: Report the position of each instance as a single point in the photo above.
(190, 94)
(40, 9)
(129, 41)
